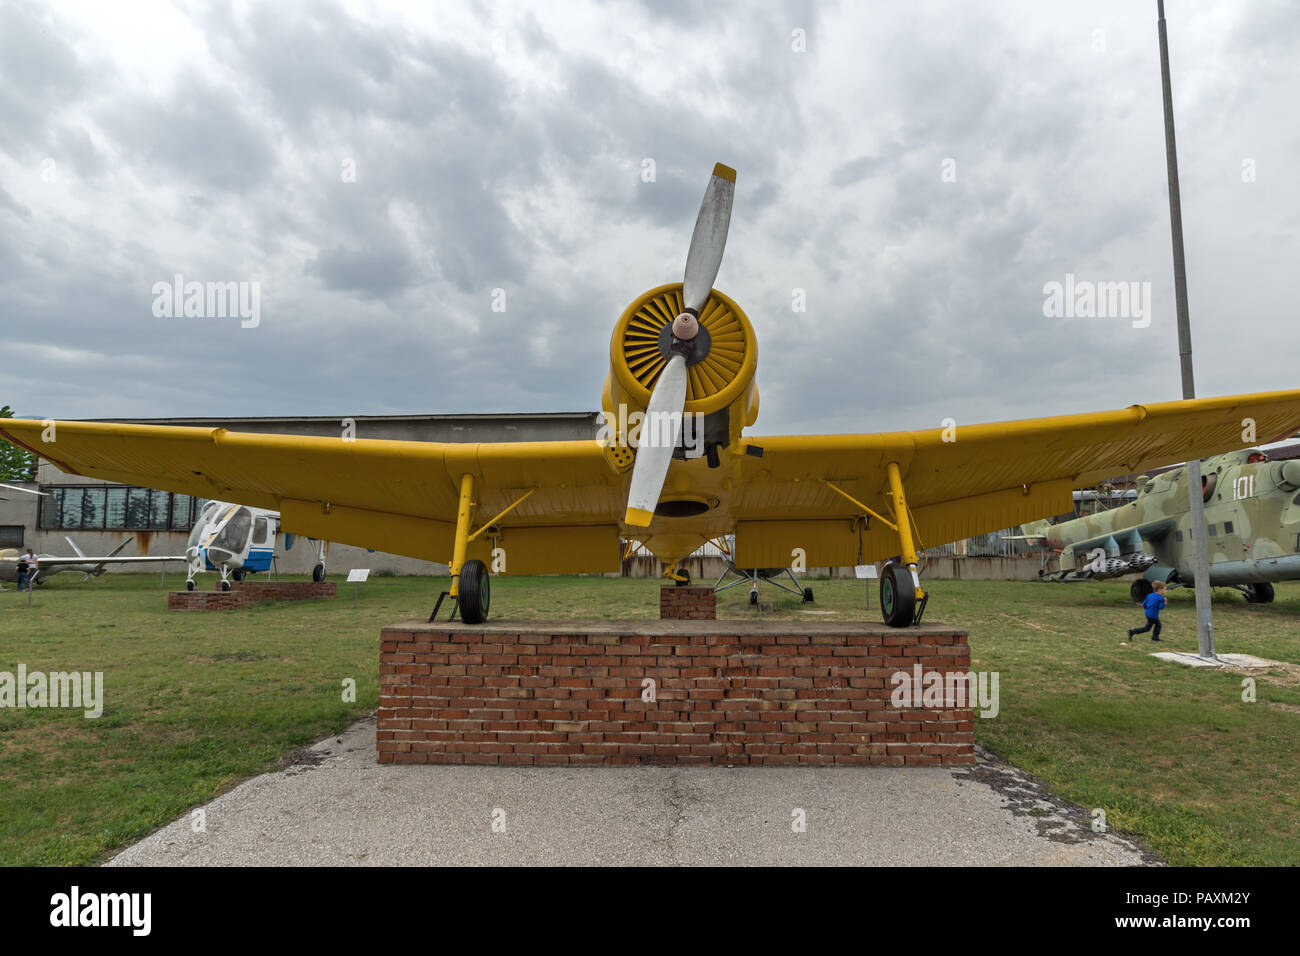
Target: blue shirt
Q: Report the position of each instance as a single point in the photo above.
(1152, 605)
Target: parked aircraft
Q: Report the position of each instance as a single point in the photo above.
(1252, 516)
(682, 358)
(238, 540)
(49, 565)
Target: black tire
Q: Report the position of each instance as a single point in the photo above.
(474, 592)
(189, 585)
(239, 574)
(1260, 593)
(897, 596)
(684, 582)
(225, 585)
(318, 573)
(753, 598)
(1139, 590)
(807, 596)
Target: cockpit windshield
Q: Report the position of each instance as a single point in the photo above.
(234, 535)
(200, 525)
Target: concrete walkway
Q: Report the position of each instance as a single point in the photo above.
(337, 806)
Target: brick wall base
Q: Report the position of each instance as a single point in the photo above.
(725, 692)
(286, 590)
(687, 604)
(247, 592)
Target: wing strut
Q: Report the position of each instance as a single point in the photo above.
(464, 515)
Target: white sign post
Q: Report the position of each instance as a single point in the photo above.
(356, 576)
(868, 572)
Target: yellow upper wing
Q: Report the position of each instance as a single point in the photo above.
(401, 497)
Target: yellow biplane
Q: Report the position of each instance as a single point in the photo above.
(673, 467)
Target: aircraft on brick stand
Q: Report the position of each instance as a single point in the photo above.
(682, 361)
(238, 540)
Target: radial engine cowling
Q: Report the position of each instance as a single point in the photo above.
(720, 374)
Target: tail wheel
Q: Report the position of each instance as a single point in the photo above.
(318, 573)
(1260, 593)
(1139, 590)
(897, 596)
(474, 592)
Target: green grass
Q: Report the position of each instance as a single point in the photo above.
(196, 702)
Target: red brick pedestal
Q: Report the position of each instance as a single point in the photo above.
(285, 590)
(246, 592)
(728, 692)
(687, 604)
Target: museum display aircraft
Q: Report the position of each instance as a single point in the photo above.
(238, 540)
(1252, 517)
(682, 363)
(89, 567)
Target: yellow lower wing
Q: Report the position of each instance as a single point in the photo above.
(976, 478)
(394, 496)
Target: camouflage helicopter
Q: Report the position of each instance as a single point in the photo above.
(1252, 513)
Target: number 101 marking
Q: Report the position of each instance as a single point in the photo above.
(1243, 487)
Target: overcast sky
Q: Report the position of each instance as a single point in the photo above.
(502, 146)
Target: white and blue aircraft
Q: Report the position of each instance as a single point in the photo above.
(239, 540)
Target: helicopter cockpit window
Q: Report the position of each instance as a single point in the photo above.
(206, 515)
(233, 536)
(1256, 456)
(259, 530)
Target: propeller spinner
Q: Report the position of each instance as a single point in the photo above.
(668, 399)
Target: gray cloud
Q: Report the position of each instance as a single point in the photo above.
(498, 147)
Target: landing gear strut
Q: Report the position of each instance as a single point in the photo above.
(752, 576)
(902, 611)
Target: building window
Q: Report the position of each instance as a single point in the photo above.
(1227, 527)
(114, 508)
(11, 536)
(1213, 532)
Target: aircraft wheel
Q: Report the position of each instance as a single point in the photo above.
(474, 592)
(318, 573)
(189, 585)
(225, 585)
(685, 582)
(1139, 590)
(753, 598)
(807, 596)
(1260, 593)
(239, 574)
(897, 596)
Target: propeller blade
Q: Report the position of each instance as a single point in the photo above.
(709, 238)
(655, 449)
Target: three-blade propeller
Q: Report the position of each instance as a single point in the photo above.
(662, 428)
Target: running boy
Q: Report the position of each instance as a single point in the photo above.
(1152, 605)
